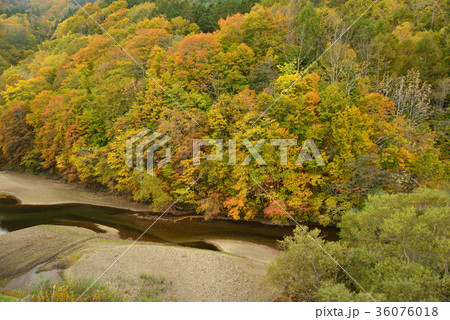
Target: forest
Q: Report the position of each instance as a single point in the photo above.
(371, 90)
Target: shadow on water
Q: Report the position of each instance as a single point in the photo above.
(8, 199)
(191, 233)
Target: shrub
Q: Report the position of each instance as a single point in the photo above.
(68, 291)
(396, 247)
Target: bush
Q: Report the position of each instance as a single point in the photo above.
(401, 245)
(68, 291)
(396, 247)
(151, 289)
(300, 271)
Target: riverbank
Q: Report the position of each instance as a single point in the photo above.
(34, 190)
(233, 274)
(193, 274)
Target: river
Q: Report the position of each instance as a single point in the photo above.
(184, 232)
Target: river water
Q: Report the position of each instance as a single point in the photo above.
(130, 225)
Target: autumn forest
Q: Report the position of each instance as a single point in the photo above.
(367, 81)
(375, 103)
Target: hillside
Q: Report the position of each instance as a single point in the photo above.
(375, 102)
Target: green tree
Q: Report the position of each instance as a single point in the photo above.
(401, 245)
(303, 268)
(396, 248)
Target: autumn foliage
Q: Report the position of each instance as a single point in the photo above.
(375, 104)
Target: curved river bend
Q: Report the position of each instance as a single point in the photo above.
(186, 232)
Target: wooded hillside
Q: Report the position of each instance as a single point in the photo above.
(375, 103)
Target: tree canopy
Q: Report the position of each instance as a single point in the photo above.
(375, 103)
(396, 249)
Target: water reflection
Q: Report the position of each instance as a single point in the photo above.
(131, 225)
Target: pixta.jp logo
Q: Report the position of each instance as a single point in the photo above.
(143, 141)
(307, 153)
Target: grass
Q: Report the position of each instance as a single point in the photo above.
(152, 288)
(3, 282)
(68, 291)
(4, 298)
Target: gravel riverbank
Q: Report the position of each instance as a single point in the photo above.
(193, 274)
(234, 274)
(34, 190)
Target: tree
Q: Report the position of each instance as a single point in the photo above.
(15, 135)
(400, 245)
(303, 35)
(189, 63)
(410, 94)
(82, 97)
(396, 248)
(304, 268)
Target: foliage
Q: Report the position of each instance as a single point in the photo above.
(375, 104)
(303, 268)
(67, 291)
(4, 298)
(396, 248)
(24, 24)
(401, 245)
(151, 289)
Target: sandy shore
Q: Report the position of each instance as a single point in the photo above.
(22, 250)
(34, 190)
(257, 253)
(193, 274)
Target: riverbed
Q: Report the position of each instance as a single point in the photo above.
(50, 202)
(67, 230)
(131, 225)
